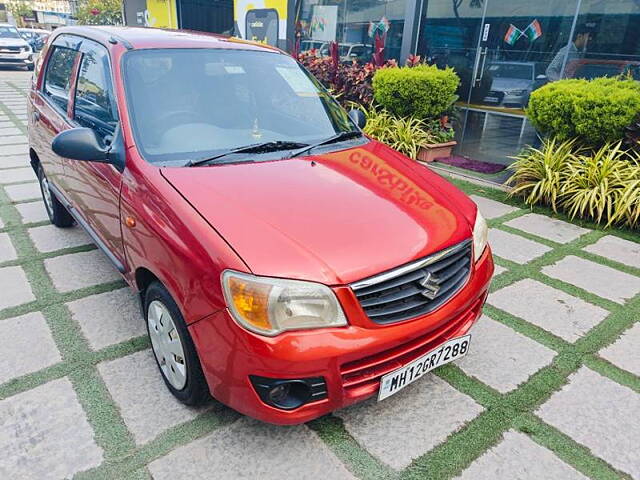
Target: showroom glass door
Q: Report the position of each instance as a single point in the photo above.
(509, 48)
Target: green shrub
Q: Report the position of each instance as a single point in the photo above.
(601, 185)
(424, 92)
(593, 111)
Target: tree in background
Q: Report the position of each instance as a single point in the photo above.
(100, 12)
(20, 9)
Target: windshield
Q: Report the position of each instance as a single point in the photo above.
(9, 32)
(188, 104)
(511, 70)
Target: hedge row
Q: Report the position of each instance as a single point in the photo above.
(424, 92)
(592, 111)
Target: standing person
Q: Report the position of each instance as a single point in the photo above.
(575, 49)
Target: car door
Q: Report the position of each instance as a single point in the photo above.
(94, 188)
(50, 102)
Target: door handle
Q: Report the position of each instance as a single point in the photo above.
(480, 71)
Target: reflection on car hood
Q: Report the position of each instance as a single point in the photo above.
(506, 84)
(12, 42)
(343, 217)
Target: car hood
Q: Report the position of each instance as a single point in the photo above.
(333, 218)
(506, 84)
(12, 42)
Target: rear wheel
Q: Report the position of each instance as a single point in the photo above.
(173, 347)
(58, 215)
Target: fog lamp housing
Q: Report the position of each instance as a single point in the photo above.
(289, 394)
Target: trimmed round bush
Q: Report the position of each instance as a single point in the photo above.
(425, 92)
(593, 111)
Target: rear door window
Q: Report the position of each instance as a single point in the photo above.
(94, 104)
(57, 80)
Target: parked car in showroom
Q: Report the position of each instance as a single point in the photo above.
(590, 68)
(14, 50)
(286, 263)
(512, 83)
(349, 52)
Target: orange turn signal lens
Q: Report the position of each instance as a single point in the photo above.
(251, 301)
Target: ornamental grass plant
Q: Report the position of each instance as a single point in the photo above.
(602, 185)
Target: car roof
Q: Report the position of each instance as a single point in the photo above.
(144, 38)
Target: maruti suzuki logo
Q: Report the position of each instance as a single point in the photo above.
(431, 286)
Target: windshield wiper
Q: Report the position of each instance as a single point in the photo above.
(252, 148)
(335, 138)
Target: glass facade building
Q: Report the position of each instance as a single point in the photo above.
(501, 49)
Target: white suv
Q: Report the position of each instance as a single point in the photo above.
(14, 50)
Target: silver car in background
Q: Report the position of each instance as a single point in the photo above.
(512, 83)
(14, 50)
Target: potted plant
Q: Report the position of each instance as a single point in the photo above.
(441, 141)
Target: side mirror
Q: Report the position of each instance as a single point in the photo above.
(80, 144)
(358, 117)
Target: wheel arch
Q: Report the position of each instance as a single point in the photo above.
(34, 160)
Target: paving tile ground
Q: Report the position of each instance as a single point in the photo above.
(389, 429)
(515, 248)
(618, 249)
(21, 334)
(517, 457)
(491, 209)
(7, 250)
(554, 310)
(600, 414)
(80, 270)
(600, 280)
(109, 318)
(16, 175)
(625, 352)
(44, 434)
(23, 191)
(49, 238)
(32, 212)
(276, 453)
(14, 287)
(80, 392)
(136, 386)
(547, 227)
(501, 357)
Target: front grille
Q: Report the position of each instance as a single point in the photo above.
(362, 376)
(10, 49)
(417, 288)
(493, 94)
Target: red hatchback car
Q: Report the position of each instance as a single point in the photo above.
(286, 263)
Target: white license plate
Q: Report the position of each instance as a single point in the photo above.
(491, 99)
(447, 352)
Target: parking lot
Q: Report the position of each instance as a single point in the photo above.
(549, 390)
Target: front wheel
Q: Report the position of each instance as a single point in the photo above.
(58, 215)
(173, 347)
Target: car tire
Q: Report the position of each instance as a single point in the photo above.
(173, 347)
(57, 213)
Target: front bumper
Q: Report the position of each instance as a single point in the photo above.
(19, 59)
(351, 359)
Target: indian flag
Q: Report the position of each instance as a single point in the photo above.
(533, 31)
(512, 35)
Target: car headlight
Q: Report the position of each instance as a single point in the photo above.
(480, 234)
(270, 306)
